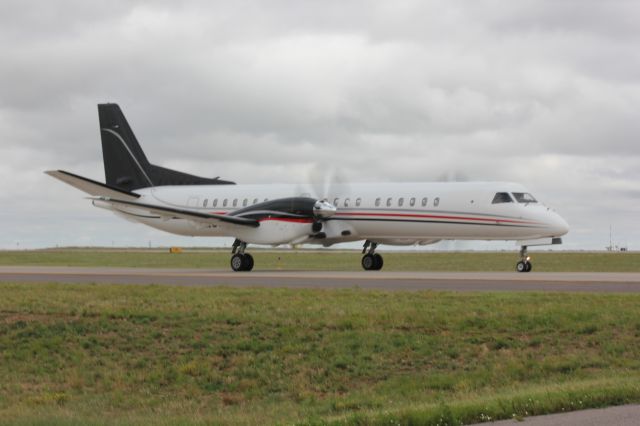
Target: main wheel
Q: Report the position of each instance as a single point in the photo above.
(521, 266)
(529, 267)
(237, 262)
(368, 262)
(378, 262)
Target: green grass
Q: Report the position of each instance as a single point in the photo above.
(105, 354)
(332, 260)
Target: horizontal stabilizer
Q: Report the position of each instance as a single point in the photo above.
(168, 212)
(92, 187)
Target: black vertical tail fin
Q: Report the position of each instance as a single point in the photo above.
(126, 166)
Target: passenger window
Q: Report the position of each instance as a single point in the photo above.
(346, 202)
(400, 202)
(215, 203)
(244, 202)
(412, 201)
(502, 197)
(377, 202)
(206, 201)
(336, 201)
(255, 201)
(523, 197)
(224, 203)
(358, 202)
(389, 200)
(235, 202)
(436, 202)
(424, 202)
(266, 199)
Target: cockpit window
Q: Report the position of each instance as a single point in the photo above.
(524, 197)
(502, 197)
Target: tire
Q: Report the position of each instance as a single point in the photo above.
(529, 267)
(368, 262)
(379, 262)
(248, 262)
(237, 262)
(521, 266)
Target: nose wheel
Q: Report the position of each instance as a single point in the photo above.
(525, 263)
(371, 261)
(240, 261)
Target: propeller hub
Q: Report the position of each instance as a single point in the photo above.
(323, 209)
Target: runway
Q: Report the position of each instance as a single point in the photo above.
(378, 280)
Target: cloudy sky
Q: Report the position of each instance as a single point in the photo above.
(544, 93)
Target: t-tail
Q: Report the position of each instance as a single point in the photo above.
(126, 166)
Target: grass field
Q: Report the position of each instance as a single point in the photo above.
(332, 260)
(102, 354)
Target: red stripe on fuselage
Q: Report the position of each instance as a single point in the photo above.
(282, 219)
(428, 216)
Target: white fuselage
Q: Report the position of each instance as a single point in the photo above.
(387, 213)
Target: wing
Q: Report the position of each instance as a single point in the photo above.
(169, 212)
(92, 187)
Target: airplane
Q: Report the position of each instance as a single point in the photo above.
(295, 214)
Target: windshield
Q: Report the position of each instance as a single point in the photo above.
(502, 197)
(524, 197)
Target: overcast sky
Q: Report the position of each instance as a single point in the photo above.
(544, 93)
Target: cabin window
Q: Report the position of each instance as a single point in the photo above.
(266, 199)
(255, 201)
(389, 201)
(346, 202)
(502, 197)
(245, 202)
(523, 197)
(224, 203)
(400, 202)
(235, 202)
(206, 201)
(424, 202)
(412, 201)
(336, 201)
(377, 202)
(358, 202)
(214, 203)
(436, 201)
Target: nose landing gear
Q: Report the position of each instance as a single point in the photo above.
(240, 261)
(525, 263)
(371, 261)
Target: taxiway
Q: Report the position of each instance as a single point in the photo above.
(380, 280)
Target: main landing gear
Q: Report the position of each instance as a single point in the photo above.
(240, 261)
(371, 261)
(525, 263)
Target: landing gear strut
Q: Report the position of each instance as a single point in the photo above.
(371, 261)
(525, 263)
(240, 261)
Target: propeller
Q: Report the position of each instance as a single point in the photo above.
(323, 183)
(453, 176)
(326, 181)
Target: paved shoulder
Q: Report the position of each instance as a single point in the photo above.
(625, 415)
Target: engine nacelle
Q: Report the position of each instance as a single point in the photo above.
(277, 231)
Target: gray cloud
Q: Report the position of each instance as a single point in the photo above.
(544, 93)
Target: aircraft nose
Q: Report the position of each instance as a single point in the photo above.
(559, 225)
